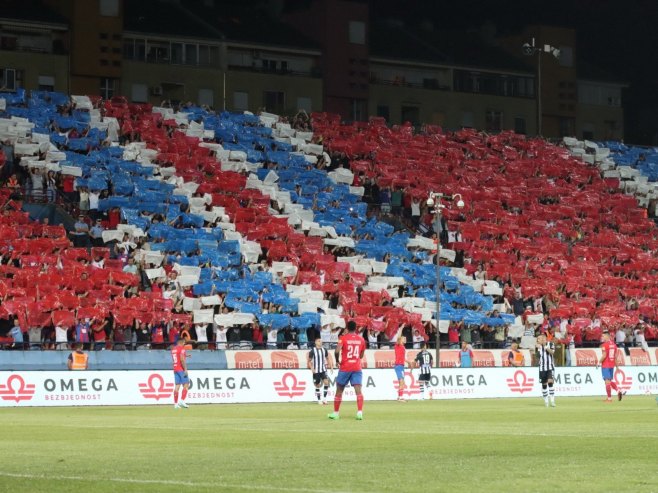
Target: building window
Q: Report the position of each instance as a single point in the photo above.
(158, 51)
(139, 93)
(304, 103)
(357, 32)
(191, 56)
(109, 8)
(240, 101)
(493, 121)
(8, 79)
(46, 83)
(274, 101)
(410, 114)
(519, 125)
(384, 111)
(467, 119)
(567, 127)
(268, 65)
(107, 88)
(359, 110)
(206, 97)
(588, 131)
(176, 52)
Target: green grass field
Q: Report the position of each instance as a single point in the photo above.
(466, 445)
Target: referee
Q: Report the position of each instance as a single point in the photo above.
(545, 353)
(318, 361)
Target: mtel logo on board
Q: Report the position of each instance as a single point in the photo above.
(16, 389)
(520, 382)
(156, 388)
(289, 386)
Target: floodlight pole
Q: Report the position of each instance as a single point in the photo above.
(434, 200)
(531, 49)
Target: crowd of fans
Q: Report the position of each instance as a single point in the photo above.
(393, 204)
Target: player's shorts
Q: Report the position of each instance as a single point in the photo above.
(424, 377)
(399, 371)
(180, 378)
(545, 376)
(318, 377)
(607, 373)
(352, 377)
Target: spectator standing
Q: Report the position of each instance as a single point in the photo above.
(34, 337)
(122, 335)
(96, 234)
(99, 334)
(80, 233)
(82, 333)
(620, 338)
(640, 339)
(143, 337)
(220, 337)
(61, 337)
(466, 356)
(17, 335)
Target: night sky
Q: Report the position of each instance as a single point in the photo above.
(620, 38)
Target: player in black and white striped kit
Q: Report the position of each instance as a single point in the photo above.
(424, 361)
(545, 357)
(318, 361)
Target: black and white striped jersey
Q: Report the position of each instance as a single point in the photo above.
(545, 359)
(318, 357)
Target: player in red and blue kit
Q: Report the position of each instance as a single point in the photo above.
(608, 363)
(349, 353)
(400, 352)
(179, 357)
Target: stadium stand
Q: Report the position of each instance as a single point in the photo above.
(229, 221)
(541, 221)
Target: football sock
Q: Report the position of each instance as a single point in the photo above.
(359, 402)
(175, 397)
(337, 401)
(326, 389)
(317, 393)
(551, 391)
(607, 390)
(544, 391)
(184, 396)
(613, 384)
(400, 390)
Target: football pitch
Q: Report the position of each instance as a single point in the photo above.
(507, 445)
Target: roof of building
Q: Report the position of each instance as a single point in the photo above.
(165, 18)
(230, 21)
(393, 39)
(30, 11)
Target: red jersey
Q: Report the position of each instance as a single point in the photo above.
(609, 349)
(352, 347)
(399, 354)
(177, 355)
